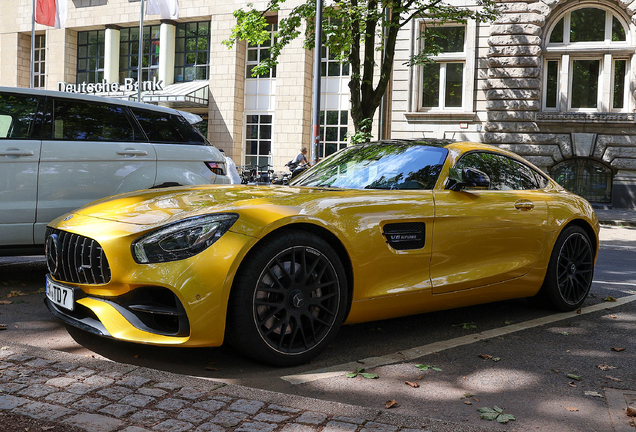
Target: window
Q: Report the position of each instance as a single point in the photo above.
(90, 56)
(333, 132)
(17, 113)
(442, 82)
(129, 50)
(73, 120)
(258, 139)
(257, 53)
(167, 128)
(192, 52)
(505, 173)
(587, 62)
(39, 57)
(586, 177)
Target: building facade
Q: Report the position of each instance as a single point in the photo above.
(552, 80)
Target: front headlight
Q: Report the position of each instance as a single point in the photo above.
(182, 239)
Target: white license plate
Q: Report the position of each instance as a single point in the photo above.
(59, 294)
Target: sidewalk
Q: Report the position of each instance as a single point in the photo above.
(624, 217)
(101, 396)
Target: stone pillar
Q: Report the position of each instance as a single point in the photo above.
(166, 51)
(227, 84)
(111, 53)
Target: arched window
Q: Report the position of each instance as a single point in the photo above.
(587, 61)
(586, 177)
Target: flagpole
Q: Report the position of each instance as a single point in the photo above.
(141, 49)
(32, 45)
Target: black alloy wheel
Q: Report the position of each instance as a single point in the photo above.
(569, 276)
(288, 301)
(575, 267)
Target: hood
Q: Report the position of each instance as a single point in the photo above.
(161, 206)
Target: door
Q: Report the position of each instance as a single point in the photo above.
(90, 151)
(19, 156)
(483, 237)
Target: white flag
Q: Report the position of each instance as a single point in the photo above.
(167, 9)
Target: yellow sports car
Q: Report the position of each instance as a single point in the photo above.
(375, 231)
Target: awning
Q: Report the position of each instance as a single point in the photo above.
(192, 94)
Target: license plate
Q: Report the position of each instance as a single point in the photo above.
(59, 294)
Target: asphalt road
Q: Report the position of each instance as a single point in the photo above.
(536, 348)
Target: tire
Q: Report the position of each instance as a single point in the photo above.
(288, 300)
(570, 271)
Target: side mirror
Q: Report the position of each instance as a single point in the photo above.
(468, 177)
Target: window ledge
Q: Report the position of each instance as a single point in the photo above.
(415, 117)
(585, 117)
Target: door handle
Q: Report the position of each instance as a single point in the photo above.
(16, 152)
(132, 152)
(524, 205)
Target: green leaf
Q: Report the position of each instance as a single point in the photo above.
(427, 367)
(565, 333)
(370, 375)
(609, 299)
(490, 416)
(505, 418)
(466, 326)
(351, 375)
(496, 408)
(574, 377)
(496, 359)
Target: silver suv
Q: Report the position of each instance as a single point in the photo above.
(59, 151)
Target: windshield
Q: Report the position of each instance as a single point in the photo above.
(378, 166)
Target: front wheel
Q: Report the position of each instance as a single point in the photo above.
(288, 301)
(570, 271)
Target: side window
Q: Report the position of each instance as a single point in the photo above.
(505, 173)
(74, 120)
(167, 128)
(17, 113)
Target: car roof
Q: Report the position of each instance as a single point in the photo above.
(86, 97)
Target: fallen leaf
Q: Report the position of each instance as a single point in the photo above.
(412, 384)
(210, 368)
(578, 311)
(427, 367)
(609, 299)
(3, 327)
(574, 377)
(390, 404)
(476, 400)
(467, 402)
(5, 302)
(485, 356)
(605, 367)
(571, 384)
(613, 316)
(496, 359)
(630, 411)
(618, 349)
(571, 409)
(612, 378)
(136, 356)
(593, 393)
(565, 333)
(468, 395)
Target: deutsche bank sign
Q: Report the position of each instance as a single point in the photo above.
(107, 87)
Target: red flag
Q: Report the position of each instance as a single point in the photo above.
(45, 12)
(51, 12)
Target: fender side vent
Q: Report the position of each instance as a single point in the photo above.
(405, 236)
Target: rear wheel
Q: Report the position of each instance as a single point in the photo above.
(570, 271)
(288, 301)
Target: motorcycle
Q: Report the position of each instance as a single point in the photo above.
(295, 169)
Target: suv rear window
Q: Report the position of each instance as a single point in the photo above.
(167, 128)
(16, 115)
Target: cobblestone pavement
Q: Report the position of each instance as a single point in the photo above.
(103, 396)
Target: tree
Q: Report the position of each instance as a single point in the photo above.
(355, 30)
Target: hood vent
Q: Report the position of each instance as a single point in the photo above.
(405, 236)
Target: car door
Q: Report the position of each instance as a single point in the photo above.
(90, 150)
(19, 154)
(482, 237)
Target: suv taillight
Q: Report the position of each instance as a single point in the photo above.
(216, 168)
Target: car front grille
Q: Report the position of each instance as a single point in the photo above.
(75, 258)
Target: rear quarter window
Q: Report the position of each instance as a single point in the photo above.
(167, 128)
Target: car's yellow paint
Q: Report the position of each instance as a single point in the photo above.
(479, 246)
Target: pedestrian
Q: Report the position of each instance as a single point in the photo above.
(301, 158)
